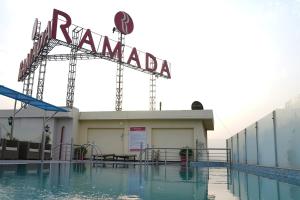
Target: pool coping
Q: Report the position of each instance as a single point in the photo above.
(291, 176)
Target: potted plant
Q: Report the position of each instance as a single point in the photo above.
(185, 153)
(80, 152)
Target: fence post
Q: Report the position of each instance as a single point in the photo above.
(71, 150)
(231, 152)
(187, 157)
(196, 154)
(275, 137)
(147, 154)
(165, 156)
(246, 159)
(230, 157)
(141, 152)
(238, 148)
(257, 150)
(92, 151)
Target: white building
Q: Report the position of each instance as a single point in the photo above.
(119, 132)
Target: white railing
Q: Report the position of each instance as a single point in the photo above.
(167, 155)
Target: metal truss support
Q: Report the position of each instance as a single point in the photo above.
(28, 82)
(25, 88)
(119, 78)
(152, 92)
(42, 62)
(41, 80)
(72, 68)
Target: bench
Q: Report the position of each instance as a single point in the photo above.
(104, 157)
(125, 157)
(114, 157)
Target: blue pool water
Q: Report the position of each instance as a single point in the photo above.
(97, 181)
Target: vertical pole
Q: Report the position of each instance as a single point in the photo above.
(119, 78)
(71, 150)
(141, 152)
(256, 137)
(207, 153)
(92, 151)
(147, 154)
(226, 151)
(13, 121)
(238, 148)
(197, 144)
(187, 157)
(230, 157)
(246, 159)
(72, 68)
(165, 157)
(41, 78)
(152, 90)
(275, 138)
(43, 137)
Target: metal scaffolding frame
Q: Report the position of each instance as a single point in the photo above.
(72, 67)
(41, 80)
(80, 53)
(119, 77)
(29, 80)
(152, 92)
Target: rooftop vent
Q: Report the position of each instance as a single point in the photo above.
(196, 105)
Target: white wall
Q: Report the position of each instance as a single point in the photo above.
(276, 137)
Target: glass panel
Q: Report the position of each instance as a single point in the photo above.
(288, 137)
(234, 149)
(251, 145)
(242, 156)
(266, 151)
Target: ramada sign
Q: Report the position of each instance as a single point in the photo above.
(87, 44)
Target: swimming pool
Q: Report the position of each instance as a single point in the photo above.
(126, 181)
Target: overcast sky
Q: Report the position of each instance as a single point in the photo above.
(239, 58)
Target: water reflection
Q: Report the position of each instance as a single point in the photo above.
(251, 187)
(186, 173)
(87, 181)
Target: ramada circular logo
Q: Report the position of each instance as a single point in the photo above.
(123, 22)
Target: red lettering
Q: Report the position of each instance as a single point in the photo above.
(63, 27)
(88, 39)
(35, 49)
(49, 31)
(28, 60)
(112, 54)
(165, 68)
(134, 56)
(153, 65)
(20, 71)
(46, 34)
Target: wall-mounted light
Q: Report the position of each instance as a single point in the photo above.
(10, 120)
(47, 128)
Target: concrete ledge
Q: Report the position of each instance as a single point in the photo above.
(209, 164)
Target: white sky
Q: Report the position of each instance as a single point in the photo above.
(239, 58)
